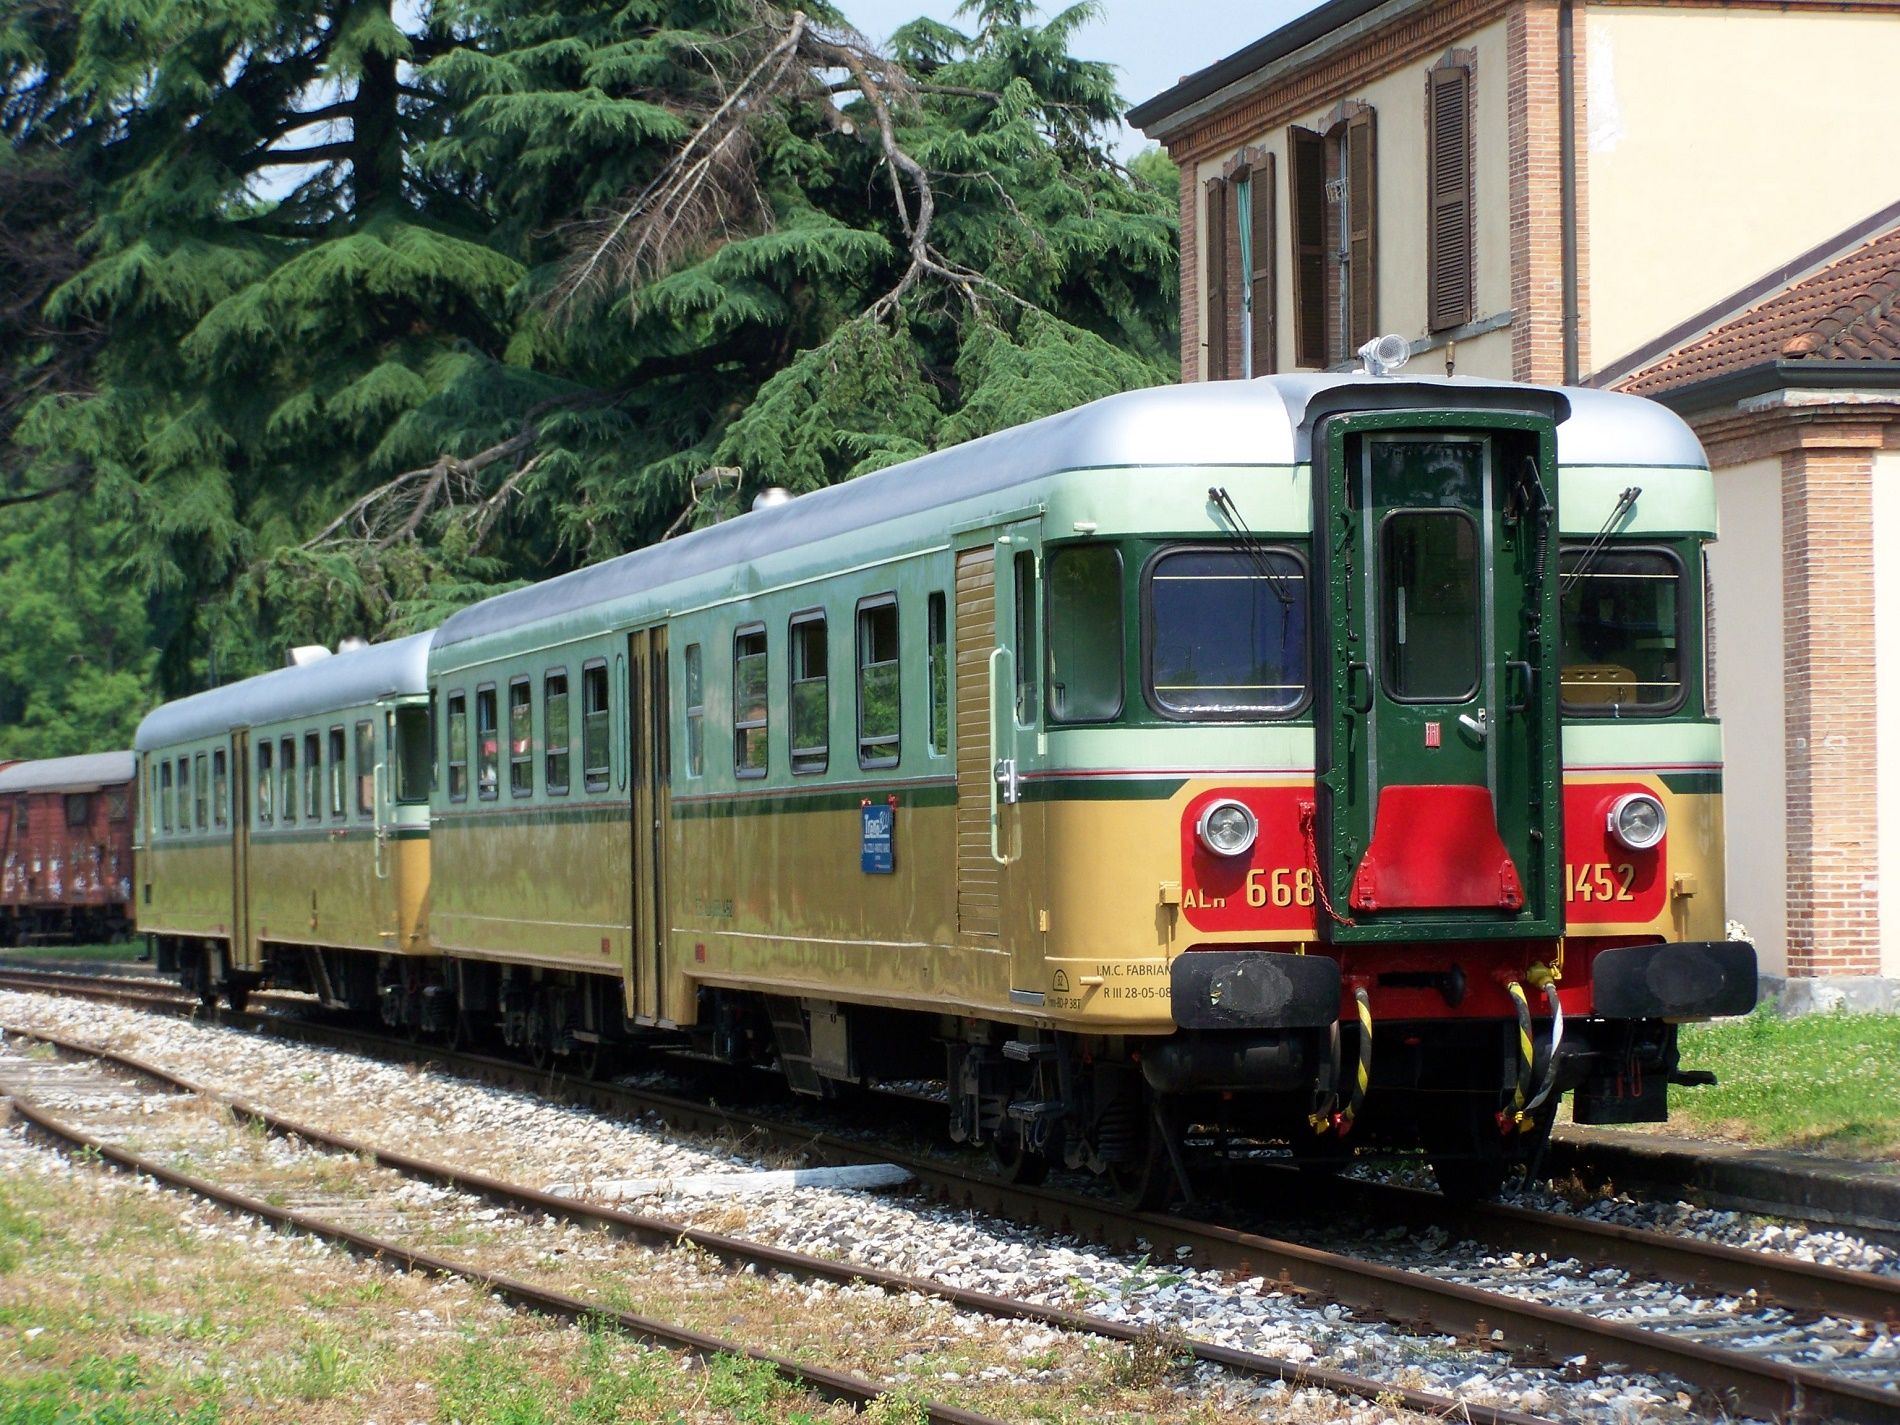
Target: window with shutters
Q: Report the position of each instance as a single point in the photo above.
(1241, 307)
(1448, 197)
(1333, 192)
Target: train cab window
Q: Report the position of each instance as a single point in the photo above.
(339, 774)
(939, 621)
(1429, 606)
(164, 798)
(312, 777)
(520, 738)
(1085, 633)
(1623, 632)
(78, 808)
(695, 712)
(266, 784)
(1226, 634)
(220, 789)
(751, 712)
(487, 749)
(879, 724)
(596, 722)
(365, 769)
(458, 747)
(201, 791)
(415, 754)
(811, 699)
(1028, 661)
(559, 733)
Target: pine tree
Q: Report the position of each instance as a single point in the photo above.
(371, 317)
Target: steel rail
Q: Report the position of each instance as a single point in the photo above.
(819, 1380)
(664, 1232)
(1737, 1381)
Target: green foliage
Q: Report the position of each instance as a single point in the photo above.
(308, 341)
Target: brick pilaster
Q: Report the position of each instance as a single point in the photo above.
(1190, 273)
(1537, 269)
(1828, 625)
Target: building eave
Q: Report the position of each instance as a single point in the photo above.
(1734, 387)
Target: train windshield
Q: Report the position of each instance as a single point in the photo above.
(1622, 618)
(1227, 633)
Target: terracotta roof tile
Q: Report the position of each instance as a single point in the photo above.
(1847, 311)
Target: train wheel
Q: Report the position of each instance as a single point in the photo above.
(1141, 1169)
(1467, 1154)
(238, 995)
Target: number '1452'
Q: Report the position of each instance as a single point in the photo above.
(1599, 881)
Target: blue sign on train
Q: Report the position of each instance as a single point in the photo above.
(877, 848)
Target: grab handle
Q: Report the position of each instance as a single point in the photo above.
(1005, 783)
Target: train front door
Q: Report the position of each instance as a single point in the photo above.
(999, 742)
(1440, 810)
(648, 752)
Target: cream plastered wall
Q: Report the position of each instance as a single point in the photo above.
(1399, 100)
(1745, 570)
(1721, 143)
(1887, 699)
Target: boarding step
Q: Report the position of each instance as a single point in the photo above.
(793, 1037)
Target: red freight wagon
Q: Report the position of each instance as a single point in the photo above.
(66, 848)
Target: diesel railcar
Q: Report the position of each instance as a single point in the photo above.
(286, 829)
(1323, 759)
(66, 849)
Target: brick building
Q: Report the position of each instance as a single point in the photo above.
(1593, 191)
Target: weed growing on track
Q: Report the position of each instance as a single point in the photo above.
(1821, 1081)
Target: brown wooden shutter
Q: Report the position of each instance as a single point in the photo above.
(1448, 264)
(1306, 195)
(1214, 364)
(1265, 355)
(1362, 256)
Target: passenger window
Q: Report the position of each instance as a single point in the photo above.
(939, 676)
(695, 712)
(811, 704)
(1028, 666)
(288, 771)
(1623, 633)
(520, 738)
(1085, 633)
(487, 752)
(415, 754)
(458, 747)
(1226, 634)
(339, 774)
(596, 744)
(554, 694)
(220, 788)
(200, 791)
(266, 784)
(751, 713)
(312, 777)
(164, 795)
(184, 794)
(879, 722)
(365, 769)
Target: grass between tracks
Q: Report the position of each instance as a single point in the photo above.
(1821, 1082)
(131, 950)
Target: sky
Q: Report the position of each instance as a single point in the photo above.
(1153, 43)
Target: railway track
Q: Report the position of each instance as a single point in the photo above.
(103, 1097)
(1731, 1359)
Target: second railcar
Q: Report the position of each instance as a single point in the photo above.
(66, 849)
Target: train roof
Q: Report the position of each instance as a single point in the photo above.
(85, 773)
(342, 681)
(1266, 421)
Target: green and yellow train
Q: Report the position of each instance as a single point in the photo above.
(1319, 759)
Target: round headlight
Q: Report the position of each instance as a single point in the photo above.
(1227, 828)
(1637, 820)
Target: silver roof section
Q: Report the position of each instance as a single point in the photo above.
(347, 680)
(1267, 421)
(85, 773)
